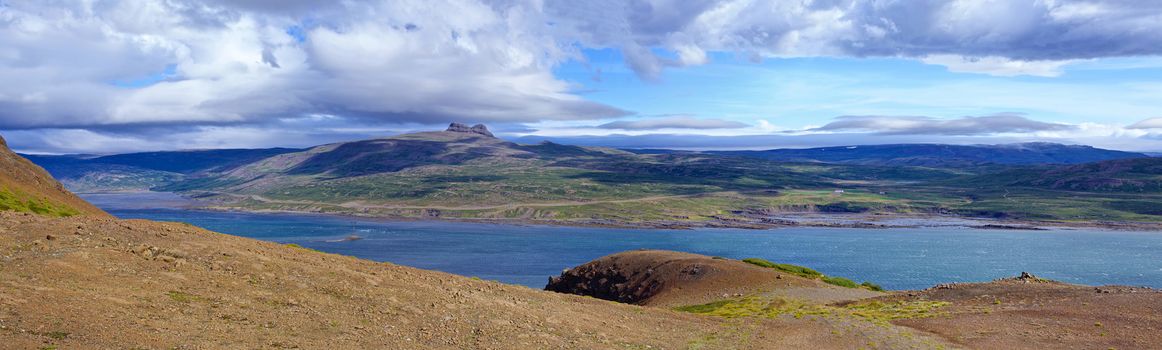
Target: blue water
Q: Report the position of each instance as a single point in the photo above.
(528, 255)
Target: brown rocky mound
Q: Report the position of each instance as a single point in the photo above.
(24, 186)
(665, 278)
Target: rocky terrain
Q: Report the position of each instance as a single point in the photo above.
(1025, 312)
(1032, 313)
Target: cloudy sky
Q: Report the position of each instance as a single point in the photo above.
(95, 76)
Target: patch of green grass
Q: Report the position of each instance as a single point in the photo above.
(757, 307)
(840, 281)
(871, 286)
(708, 341)
(296, 246)
(873, 311)
(704, 308)
(58, 335)
(18, 201)
(809, 273)
(182, 297)
(797, 270)
(888, 311)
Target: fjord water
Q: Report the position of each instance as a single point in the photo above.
(519, 254)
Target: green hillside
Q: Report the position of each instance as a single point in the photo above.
(467, 173)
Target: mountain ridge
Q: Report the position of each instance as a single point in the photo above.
(943, 155)
(467, 174)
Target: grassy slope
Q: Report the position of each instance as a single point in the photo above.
(26, 187)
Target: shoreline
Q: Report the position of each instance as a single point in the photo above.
(776, 221)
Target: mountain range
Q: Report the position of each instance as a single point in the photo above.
(936, 155)
(467, 173)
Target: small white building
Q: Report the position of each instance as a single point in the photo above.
(838, 191)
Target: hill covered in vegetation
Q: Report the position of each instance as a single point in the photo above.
(944, 156)
(467, 173)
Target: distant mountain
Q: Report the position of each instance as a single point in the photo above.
(143, 171)
(1136, 175)
(184, 162)
(29, 188)
(464, 171)
(936, 155)
(457, 145)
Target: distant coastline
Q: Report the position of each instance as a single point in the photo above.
(170, 200)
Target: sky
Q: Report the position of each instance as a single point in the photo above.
(96, 76)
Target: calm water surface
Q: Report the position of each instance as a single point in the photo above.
(528, 255)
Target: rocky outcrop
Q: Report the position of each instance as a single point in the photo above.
(664, 278)
(479, 129)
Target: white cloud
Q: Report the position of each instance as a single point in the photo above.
(391, 61)
(672, 122)
(998, 66)
(1152, 123)
(922, 125)
(128, 64)
(1020, 37)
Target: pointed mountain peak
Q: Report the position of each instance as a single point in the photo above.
(475, 129)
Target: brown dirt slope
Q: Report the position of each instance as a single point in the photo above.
(1038, 314)
(27, 187)
(668, 279)
(102, 283)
